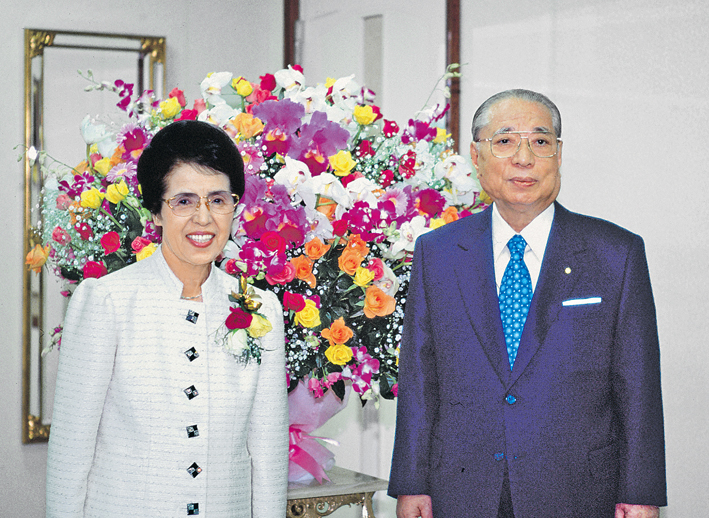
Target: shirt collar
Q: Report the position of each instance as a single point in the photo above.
(536, 233)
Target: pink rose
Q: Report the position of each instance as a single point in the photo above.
(60, 236)
(286, 275)
(139, 243)
(179, 95)
(110, 242)
(377, 266)
(64, 201)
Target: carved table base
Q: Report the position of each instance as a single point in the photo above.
(344, 488)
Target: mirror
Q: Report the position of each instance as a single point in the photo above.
(55, 104)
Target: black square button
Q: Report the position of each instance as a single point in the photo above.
(194, 470)
(192, 509)
(192, 316)
(191, 392)
(192, 354)
(192, 431)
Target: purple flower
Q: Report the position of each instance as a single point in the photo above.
(316, 141)
(281, 120)
(81, 183)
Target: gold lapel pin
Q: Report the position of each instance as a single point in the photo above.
(567, 271)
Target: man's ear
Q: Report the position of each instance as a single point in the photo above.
(474, 154)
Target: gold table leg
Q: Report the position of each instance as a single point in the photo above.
(326, 505)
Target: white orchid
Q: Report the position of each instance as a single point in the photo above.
(290, 80)
(211, 87)
(407, 235)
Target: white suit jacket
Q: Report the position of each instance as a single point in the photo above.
(143, 426)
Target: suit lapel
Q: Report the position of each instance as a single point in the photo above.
(562, 268)
(475, 276)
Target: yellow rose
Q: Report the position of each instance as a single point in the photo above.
(170, 108)
(92, 198)
(242, 86)
(364, 115)
(441, 136)
(363, 276)
(146, 251)
(338, 354)
(259, 326)
(342, 163)
(309, 316)
(436, 222)
(117, 192)
(103, 166)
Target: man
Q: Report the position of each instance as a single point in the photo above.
(554, 409)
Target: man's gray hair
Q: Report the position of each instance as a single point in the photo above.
(482, 116)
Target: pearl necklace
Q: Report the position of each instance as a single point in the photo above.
(190, 298)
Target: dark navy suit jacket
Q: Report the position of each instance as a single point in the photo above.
(578, 422)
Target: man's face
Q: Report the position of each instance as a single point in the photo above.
(522, 185)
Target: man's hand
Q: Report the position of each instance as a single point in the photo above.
(413, 506)
(633, 511)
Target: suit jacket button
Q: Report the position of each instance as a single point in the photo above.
(511, 400)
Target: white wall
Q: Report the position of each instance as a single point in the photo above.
(629, 77)
(240, 36)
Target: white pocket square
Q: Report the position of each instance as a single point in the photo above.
(582, 302)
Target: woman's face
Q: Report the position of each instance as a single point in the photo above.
(191, 243)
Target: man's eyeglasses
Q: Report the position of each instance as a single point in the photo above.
(506, 144)
(186, 204)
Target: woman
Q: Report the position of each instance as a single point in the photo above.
(152, 415)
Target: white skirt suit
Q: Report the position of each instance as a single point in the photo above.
(152, 417)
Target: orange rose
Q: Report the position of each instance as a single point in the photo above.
(304, 270)
(37, 257)
(326, 206)
(338, 332)
(450, 215)
(349, 261)
(355, 242)
(315, 249)
(247, 125)
(377, 303)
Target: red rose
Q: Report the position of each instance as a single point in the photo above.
(238, 319)
(268, 82)
(231, 267)
(293, 301)
(110, 242)
(390, 129)
(365, 149)
(93, 269)
(187, 115)
(339, 227)
(386, 177)
(274, 241)
(84, 230)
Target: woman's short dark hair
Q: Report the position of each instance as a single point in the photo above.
(187, 142)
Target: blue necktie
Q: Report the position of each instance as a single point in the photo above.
(515, 296)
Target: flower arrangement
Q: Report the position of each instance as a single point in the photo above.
(244, 324)
(335, 198)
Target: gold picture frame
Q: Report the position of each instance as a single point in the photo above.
(50, 57)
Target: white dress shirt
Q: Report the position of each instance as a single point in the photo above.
(536, 234)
